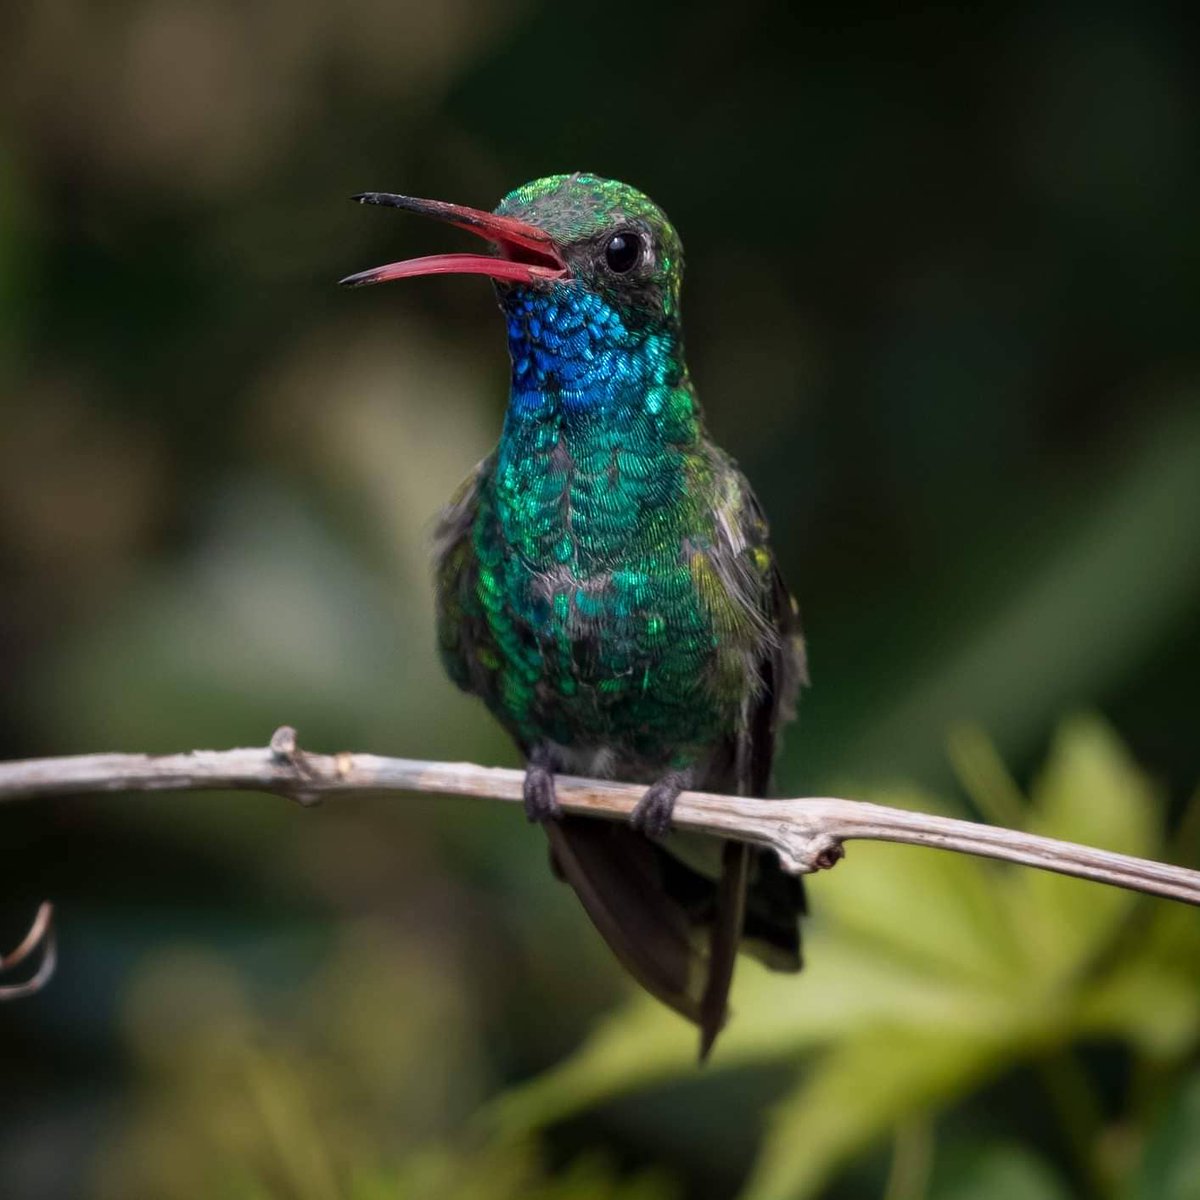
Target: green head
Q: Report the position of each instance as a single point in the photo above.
(614, 239)
(562, 233)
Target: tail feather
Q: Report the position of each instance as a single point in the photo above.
(726, 935)
(614, 871)
(774, 905)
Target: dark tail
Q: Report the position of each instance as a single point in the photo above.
(649, 919)
(617, 876)
(726, 935)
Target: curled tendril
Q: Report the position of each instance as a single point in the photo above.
(41, 934)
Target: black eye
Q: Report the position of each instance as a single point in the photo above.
(622, 252)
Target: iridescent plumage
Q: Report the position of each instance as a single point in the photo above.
(606, 586)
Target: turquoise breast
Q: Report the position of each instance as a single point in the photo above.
(585, 538)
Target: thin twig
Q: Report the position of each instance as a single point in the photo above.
(808, 834)
(41, 933)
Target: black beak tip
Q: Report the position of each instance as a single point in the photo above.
(387, 199)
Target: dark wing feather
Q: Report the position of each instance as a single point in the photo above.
(755, 898)
(776, 900)
(464, 639)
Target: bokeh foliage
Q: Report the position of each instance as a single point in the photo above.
(930, 974)
(944, 283)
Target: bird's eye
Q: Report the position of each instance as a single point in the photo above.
(622, 252)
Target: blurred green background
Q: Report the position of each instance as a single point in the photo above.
(942, 302)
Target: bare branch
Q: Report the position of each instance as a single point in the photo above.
(808, 834)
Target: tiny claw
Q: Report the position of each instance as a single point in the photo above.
(541, 800)
(655, 809)
(41, 933)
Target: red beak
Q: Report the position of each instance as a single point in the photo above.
(527, 254)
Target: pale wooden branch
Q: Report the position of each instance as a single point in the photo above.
(807, 834)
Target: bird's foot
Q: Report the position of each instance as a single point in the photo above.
(654, 810)
(541, 802)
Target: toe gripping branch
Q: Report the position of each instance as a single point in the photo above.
(540, 795)
(656, 808)
(40, 935)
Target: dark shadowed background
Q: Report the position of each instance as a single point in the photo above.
(942, 299)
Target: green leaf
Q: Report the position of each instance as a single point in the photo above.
(1092, 792)
(1170, 1167)
(854, 1096)
(1000, 1172)
(846, 989)
(1151, 994)
(938, 911)
(926, 972)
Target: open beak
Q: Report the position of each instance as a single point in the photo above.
(526, 254)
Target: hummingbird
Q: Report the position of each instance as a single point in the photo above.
(605, 584)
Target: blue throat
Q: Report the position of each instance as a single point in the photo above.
(573, 356)
(600, 418)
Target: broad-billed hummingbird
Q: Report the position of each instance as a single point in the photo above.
(605, 585)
